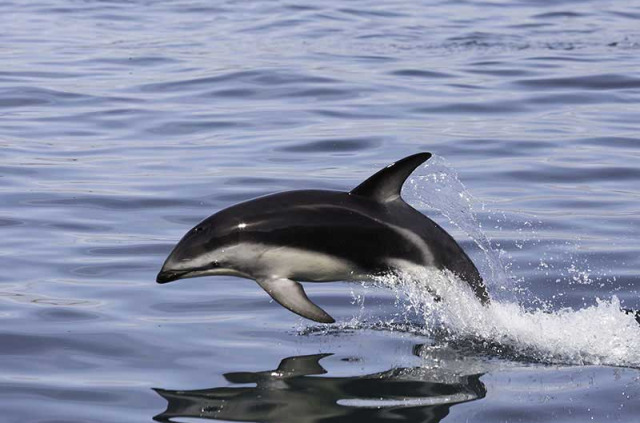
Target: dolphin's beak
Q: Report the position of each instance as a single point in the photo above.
(167, 275)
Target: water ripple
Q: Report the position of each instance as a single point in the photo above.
(124, 123)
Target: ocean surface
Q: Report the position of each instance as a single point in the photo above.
(123, 123)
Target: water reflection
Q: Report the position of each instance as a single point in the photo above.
(294, 392)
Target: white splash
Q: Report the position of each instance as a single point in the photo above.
(436, 186)
(601, 334)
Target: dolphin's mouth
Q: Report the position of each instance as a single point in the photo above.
(169, 275)
(166, 276)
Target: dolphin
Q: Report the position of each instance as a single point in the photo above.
(319, 236)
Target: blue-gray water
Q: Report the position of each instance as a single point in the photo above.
(123, 123)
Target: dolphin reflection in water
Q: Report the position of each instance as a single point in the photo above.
(295, 392)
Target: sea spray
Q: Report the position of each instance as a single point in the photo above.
(600, 334)
(436, 186)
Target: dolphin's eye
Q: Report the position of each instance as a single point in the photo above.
(198, 229)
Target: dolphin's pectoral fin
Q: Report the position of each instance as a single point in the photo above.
(291, 296)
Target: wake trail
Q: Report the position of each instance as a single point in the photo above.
(603, 334)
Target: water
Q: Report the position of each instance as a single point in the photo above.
(123, 123)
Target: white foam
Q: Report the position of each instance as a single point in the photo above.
(601, 334)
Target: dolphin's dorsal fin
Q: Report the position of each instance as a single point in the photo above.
(291, 296)
(386, 184)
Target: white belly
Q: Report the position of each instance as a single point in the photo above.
(304, 265)
(262, 261)
(258, 261)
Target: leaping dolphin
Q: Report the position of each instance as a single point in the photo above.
(321, 236)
